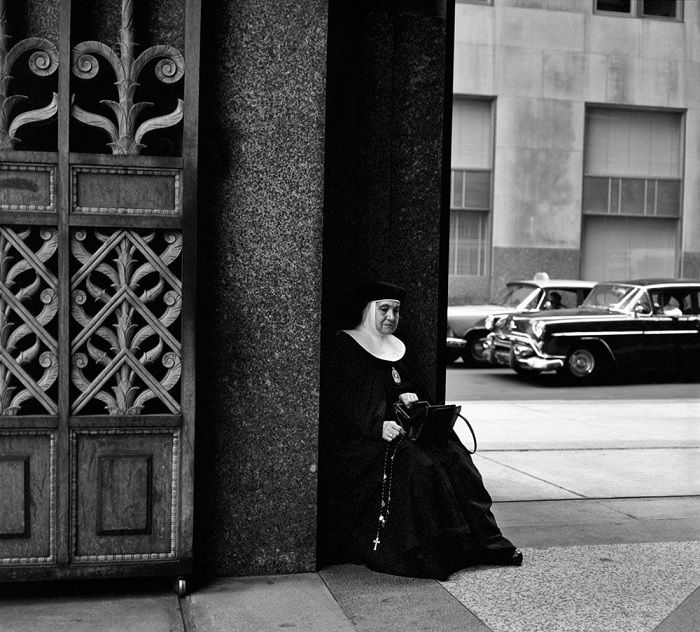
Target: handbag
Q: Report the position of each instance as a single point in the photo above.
(427, 423)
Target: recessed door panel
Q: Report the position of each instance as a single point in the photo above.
(27, 497)
(125, 489)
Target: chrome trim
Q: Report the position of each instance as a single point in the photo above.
(504, 352)
(540, 364)
(673, 331)
(579, 334)
(552, 319)
(456, 343)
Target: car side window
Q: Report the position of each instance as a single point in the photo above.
(536, 301)
(657, 301)
(691, 303)
(672, 305)
(674, 302)
(560, 299)
(643, 306)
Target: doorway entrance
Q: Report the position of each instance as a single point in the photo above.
(97, 238)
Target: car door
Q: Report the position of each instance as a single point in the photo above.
(672, 333)
(689, 324)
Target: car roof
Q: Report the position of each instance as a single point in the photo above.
(656, 282)
(547, 283)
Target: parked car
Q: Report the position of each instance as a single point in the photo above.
(466, 326)
(641, 325)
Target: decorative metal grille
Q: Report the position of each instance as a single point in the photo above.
(42, 62)
(96, 350)
(126, 136)
(28, 323)
(126, 298)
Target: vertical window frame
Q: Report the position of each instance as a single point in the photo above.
(482, 214)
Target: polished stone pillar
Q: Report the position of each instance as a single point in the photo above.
(320, 157)
(260, 223)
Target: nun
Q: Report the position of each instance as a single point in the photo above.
(392, 504)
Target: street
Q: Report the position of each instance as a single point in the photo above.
(505, 385)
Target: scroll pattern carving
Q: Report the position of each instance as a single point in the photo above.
(28, 307)
(126, 299)
(125, 135)
(42, 62)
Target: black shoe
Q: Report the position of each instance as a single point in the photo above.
(516, 559)
(502, 557)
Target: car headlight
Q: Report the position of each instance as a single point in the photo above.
(537, 328)
(488, 323)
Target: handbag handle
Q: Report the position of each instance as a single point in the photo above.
(404, 415)
(473, 434)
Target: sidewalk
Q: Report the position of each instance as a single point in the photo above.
(603, 498)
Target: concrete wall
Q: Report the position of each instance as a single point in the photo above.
(543, 61)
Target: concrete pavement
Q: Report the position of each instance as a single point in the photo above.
(603, 490)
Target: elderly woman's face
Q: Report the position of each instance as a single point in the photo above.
(386, 316)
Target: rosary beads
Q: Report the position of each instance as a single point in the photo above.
(387, 480)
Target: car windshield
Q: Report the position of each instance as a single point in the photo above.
(609, 295)
(520, 295)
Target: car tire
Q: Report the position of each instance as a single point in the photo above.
(474, 355)
(585, 364)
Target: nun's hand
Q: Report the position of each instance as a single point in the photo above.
(391, 430)
(407, 399)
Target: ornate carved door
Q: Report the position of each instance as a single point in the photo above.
(97, 271)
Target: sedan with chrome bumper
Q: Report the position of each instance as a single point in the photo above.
(642, 325)
(467, 325)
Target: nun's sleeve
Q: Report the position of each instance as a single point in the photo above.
(358, 391)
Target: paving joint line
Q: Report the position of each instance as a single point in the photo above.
(188, 622)
(537, 478)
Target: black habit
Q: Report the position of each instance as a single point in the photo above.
(435, 511)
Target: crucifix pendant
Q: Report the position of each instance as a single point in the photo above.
(376, 542)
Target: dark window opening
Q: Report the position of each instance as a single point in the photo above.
(665, 9)
(618, 6)
(660, 8)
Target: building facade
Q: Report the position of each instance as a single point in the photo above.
(575, 141)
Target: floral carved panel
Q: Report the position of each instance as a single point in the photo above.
(127, 120)
(41, 57)
(126, 299)
(28, 321)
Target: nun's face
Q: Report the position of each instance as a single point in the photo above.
(386, 316)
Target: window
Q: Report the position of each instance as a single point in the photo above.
(663, 9)
(631, 196)
(679, 301)
(561, 299)
(470, 193)
(618, 6)
(632, 188)
(468, 243)
(632, 163)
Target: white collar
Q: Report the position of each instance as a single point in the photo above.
(382, 347)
